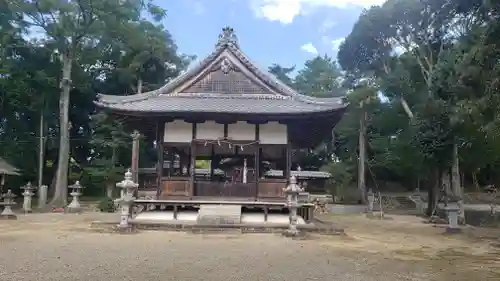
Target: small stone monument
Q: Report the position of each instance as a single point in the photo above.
(452, 212)
(419, 203)
(292, 194)
(371, 201)
(42, 196)
(126, 201)
(76, 191)
(28, 195)
(8, 202)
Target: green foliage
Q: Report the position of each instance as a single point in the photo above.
(342, 176)
(106, 205)
(112, 48)
(107, 140)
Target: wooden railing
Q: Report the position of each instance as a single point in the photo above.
(221, 189)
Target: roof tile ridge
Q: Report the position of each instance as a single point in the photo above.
(264, 75)
(194, 70)
(230, 96)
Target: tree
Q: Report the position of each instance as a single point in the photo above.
(71, 25)
(282, 73)
(319, 77)
(422, 31)
(109, 137)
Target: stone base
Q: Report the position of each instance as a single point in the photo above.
(124, 230)
(453, 230)
(73, 210)
(8, 217)
(294, 234)
(219, 214)
(207, 228)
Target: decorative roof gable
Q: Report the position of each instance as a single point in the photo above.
(226, 81)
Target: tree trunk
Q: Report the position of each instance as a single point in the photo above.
(475, 182)
(433, 192)
(110, 186)
(362, 158)
(139, 86)
(456, 185)
(41, 148)
(406, 108)
(61, 189)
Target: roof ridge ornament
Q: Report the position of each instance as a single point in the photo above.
(226, 66)
(227, 37)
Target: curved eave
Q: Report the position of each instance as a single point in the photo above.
(324, 112)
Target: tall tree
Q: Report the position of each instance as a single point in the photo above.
(320, 77)
(70, 25)
(282, 73)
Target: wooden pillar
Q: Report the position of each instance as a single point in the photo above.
(160, 132)
(288, 159)
(135, 156)
(288, 155)
(192, 169)
(257, 161)
(257, 170)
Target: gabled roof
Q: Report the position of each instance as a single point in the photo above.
(226, 81)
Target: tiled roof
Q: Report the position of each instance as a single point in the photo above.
(224, 103)
(224, 82)
(7, 169)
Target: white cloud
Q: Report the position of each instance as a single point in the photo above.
(285, 11)
(327, 24)
(336, 44)
(309, 47)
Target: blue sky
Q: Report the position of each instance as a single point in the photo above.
(287, 32)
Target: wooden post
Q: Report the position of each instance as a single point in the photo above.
(160, 130)
(288, 167)
(257, 161)
(362, 156)
(135, 156)
(288, 155)
(192, 169)
(257, 170)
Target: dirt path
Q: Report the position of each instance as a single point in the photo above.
(61, 247)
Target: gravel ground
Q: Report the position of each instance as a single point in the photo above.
(60, 247)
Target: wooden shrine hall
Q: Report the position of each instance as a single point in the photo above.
(235, 120)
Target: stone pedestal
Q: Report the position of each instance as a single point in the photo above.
(126, 202)
(42, 196)
(74, 206)
(371, 202)
(8, 202)
(28, 195)
(292, 192)
(219, 214)
(452, 212)
(419, 203)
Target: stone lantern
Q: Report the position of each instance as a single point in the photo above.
(76, 192)
(8, 202)
(452, 211)
(292, 192)
(371, 201)
(126, 201)
(28, 195)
